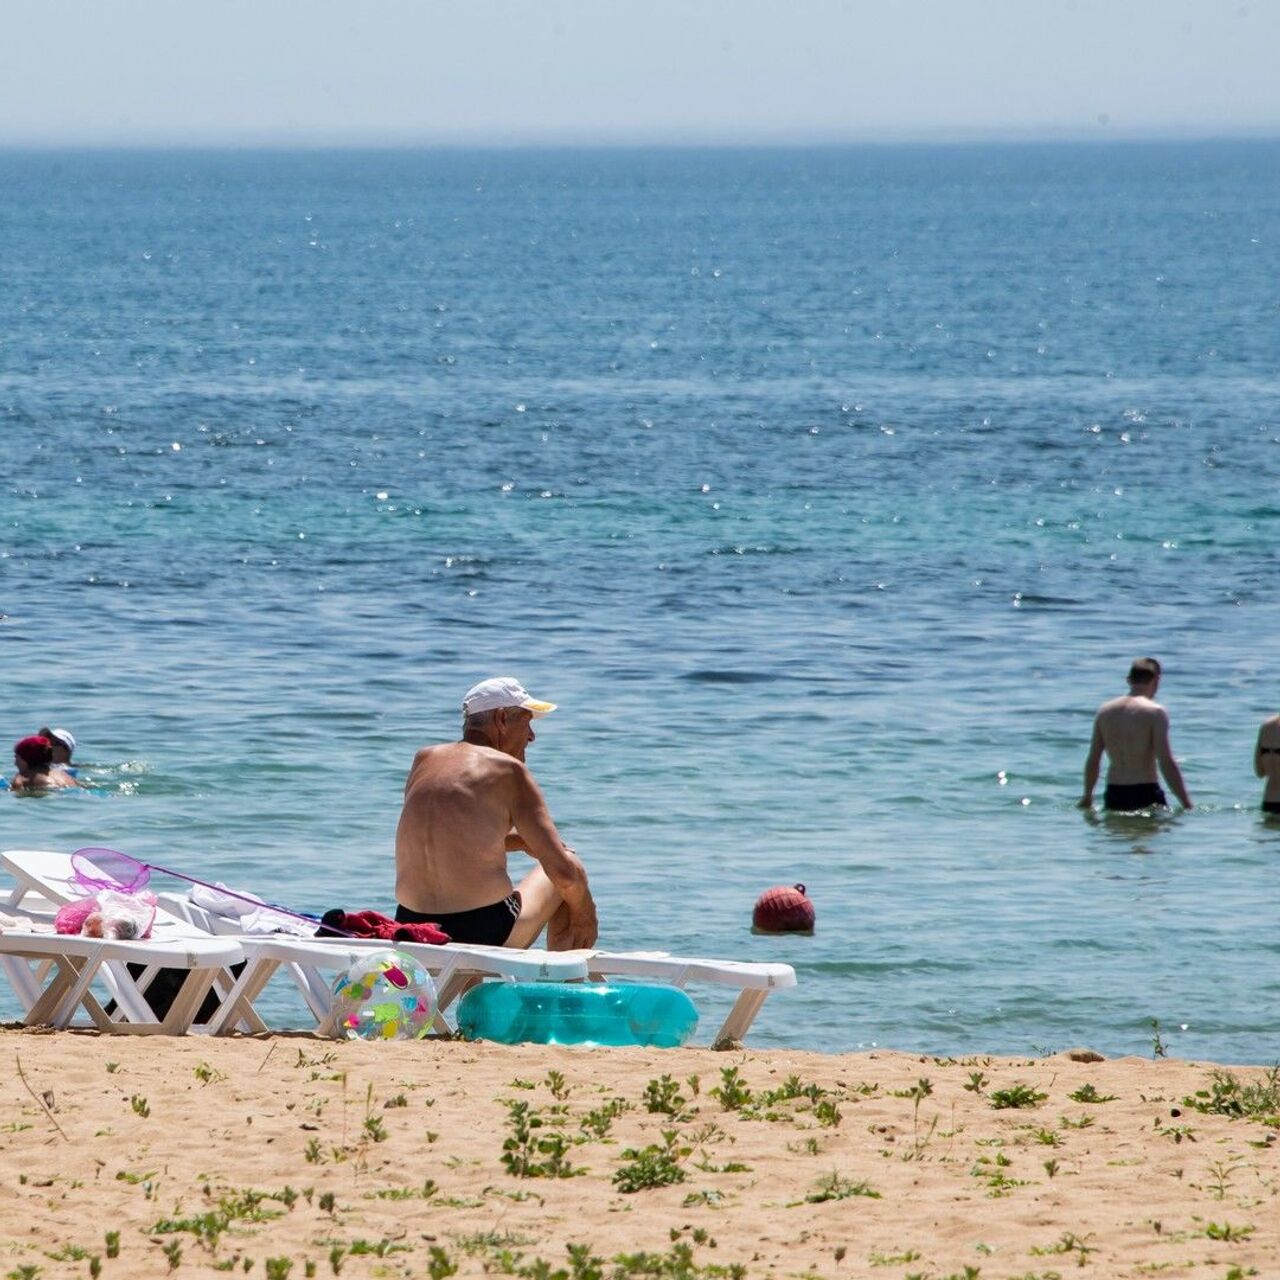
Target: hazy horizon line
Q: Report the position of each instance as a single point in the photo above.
(1102, 133)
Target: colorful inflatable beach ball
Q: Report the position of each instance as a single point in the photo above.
(783, 909)
(385, 995)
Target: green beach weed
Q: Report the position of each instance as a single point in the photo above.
(834, 1186)
(1087, 1093)
(652, 1166)
(732, 1092)
(1016, 1096)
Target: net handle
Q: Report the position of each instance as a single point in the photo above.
(104, 879)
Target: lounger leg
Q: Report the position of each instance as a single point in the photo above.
(126, 993)
(87, 969)
(25, 983)
(451, 985)
(741, 1016)
(187, 1002)
(239, 1000)
(443, 980)
(314, 988)
(47, 1004)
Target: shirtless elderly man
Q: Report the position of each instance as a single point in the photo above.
(465, 805)
(1134, 732)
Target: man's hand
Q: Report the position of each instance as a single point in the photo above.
(1085, 803)
(584, 929)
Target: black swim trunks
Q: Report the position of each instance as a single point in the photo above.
(1271, 806)
(1138, 795)
(486, 926)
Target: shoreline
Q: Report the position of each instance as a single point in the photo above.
(288, 1155)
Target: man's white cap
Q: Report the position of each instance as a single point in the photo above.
(502, 691)
(66, 737)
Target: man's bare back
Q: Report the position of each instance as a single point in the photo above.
(451, 852)
(466, 805)
(1133, 731)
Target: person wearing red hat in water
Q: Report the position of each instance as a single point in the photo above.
(33, 758)
(466, 804)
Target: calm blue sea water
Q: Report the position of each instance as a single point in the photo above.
(828, 492)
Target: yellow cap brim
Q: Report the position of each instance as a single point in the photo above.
(539, 708)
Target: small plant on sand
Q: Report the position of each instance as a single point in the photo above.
(1228, 1095)
(652, 1166)
(1221, 1174)
(893, 1259)
(555, 1082)
(826, 1113)
(1016, 1096)
(833, 1186)
(598, 1122)
(805, 1147)
(732, 1092)
(527, 1154)
(1087, 1093)
(207, 1075)
(662, 1097)
(336, 1254)
(709, 1198)
(279, 1268)
(1047, 1138)
(141, 1107)
(992, 1172)
(424, 1192)
(113, 1244)
(1228, 1234)
(1081, 1122)
(439, 1264)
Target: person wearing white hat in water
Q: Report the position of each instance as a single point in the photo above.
(466, 804)
(63, 742)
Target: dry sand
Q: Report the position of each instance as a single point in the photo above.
(246, 1155)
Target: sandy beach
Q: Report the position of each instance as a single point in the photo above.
(292, 1156)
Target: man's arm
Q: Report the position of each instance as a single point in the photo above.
(1092, 767)
(1257, 755)
(532, 821)
(1168, 765)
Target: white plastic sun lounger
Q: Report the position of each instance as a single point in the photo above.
(454, 965)
(53, 976)
(47, 877)
(752, 980)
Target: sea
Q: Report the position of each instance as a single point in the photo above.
(827, 491)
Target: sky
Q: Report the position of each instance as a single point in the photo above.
(538, 72)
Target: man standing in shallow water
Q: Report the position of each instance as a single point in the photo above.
(466, 804)
(1134, 732)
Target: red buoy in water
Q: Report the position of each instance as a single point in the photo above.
(783, 909)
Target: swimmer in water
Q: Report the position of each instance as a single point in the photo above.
(1266, 763)
(63, 742)
(33, 758)
(1134, 732)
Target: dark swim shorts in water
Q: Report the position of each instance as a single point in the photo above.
(1271, 806)
(1139, 795)
(486, 926)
